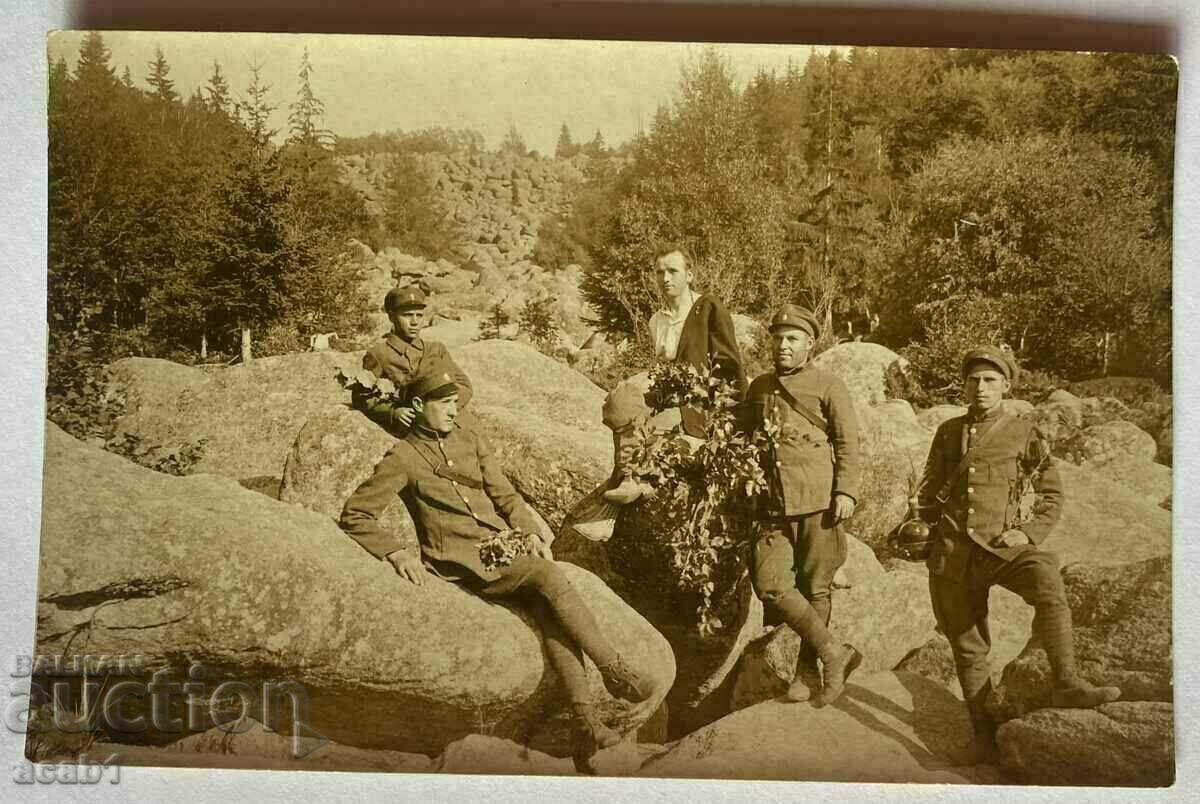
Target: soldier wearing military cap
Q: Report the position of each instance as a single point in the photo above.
(453, 486)
(814, 474)
(400, 356)
(984, 470)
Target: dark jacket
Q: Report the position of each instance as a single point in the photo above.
(979, 505)
(399, 361)
(708, 336)
(809, 465)
(455, 492)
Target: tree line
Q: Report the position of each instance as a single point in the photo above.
(921, 198)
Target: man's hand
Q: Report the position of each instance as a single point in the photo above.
(407, 566)
(1011, 538)
(843, 508)
(404, 415)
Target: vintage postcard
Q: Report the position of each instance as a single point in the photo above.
(516, 406)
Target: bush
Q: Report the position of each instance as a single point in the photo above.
(635, 358)
(539, 321)
(952, 328)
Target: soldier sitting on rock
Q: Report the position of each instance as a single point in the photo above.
(399, 358)
(453, 487)
(814, 476)
(991, 496)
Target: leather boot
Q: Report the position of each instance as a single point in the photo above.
(806, 683)
(590, 735)
(839, 662)
(1076, 693)
(983, 746)
(622, 681)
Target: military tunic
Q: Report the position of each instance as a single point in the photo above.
(969, 509)
(456, 493)
(799, 546)
(400, 361)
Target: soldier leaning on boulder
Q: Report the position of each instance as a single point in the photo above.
(453, 487)
(978, 467)
(399, 357)
(814, 476)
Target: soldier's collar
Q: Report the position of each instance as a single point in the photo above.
(796, 370)
(423, 433)
(401, 345)
(987, 415)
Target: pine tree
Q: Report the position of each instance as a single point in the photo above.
(514, 143)
(255, 111)
(94, 68)
(218, 91)
(164, 87)
(565, 148)
(597, 146)
(307, 111)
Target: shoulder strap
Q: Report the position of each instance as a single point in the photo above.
(964, 461)
(814, 418)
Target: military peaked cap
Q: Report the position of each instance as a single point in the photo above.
(405, 298)
(1001, 359)
(435, 384)
(793, 315)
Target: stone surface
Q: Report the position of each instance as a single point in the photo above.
(199, 569)
(1106, 520)
(1122, 626)
(887, 727)
(1114, 440)
(863, 367)
(884, 614)
(1128, 744)
(932, 418)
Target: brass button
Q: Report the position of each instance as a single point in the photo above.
(449, 462)
(779, 463)
(970, 510)
(970, 531)
(972, 430)
(971, 470)
(453, 482)
(970, 490)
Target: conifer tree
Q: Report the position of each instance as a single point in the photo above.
(164, 87)
(565, 148)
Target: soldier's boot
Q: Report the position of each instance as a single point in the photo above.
(838, 662)
(984, 750)
(576, 619)
(806, 683)
(629, 490)
(623, 681)
(1052, 626)
(590, 735)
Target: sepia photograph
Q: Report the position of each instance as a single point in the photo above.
(548, 407)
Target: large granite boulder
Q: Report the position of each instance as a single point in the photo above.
(1114, 440)
(1122, 625)
(895, 446)
(932, 418)
(1126, 744)
(248, 414)
(863, 367)
(197, 569)
(887, 727)
(884, 614)
(1110, 520)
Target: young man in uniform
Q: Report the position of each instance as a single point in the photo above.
(978, 466)
(452, 485)
(814, 475)
(399, 357)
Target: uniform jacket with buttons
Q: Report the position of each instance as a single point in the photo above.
(452, 517)
(981, 503)
(810, 466)
(399, 361)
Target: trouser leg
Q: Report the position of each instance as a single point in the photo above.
(774, 579)
(563, 653)
(820, 550)
(1035, 576)
(535, 574)
(961, 608)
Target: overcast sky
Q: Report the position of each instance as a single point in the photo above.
(379, 83)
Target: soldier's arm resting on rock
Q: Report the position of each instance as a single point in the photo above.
(1047, 486)
(843, 435)
(508, 502)
(361, 513)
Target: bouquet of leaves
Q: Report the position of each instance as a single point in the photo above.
(698, 515)
(677, 385)
(1023, 497)
(502, 548)
(365, 383)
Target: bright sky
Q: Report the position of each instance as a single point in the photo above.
(379, 83)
